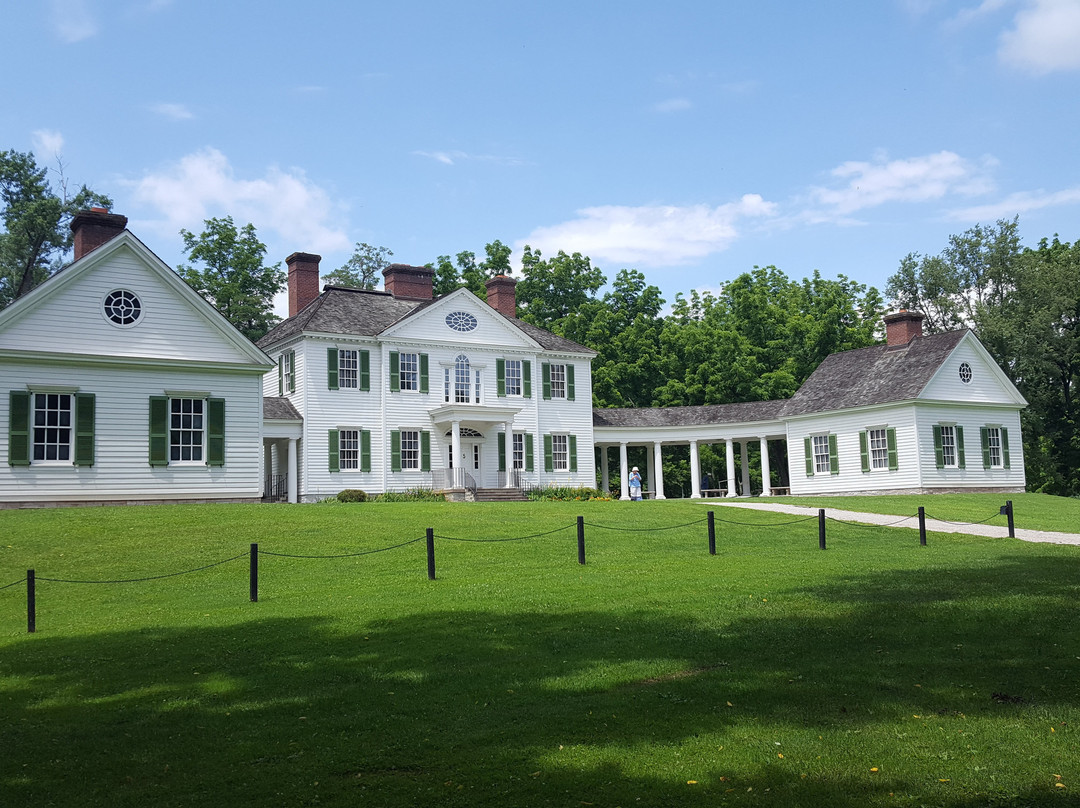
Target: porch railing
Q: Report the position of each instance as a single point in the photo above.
(517, 479)
(443, 479)
(276, 487)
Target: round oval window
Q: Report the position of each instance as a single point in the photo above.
(965, 373)
(123, 307)
(461, 321)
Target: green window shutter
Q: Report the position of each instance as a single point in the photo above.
(291, 358)
(365, 370)
(425, 451)
(526, 378)
(890, 442)
(1005, 447)
(834, 457)
(984, 437)
(528, 452)
(331, 369)
(333, 454)
(423, 373)
(960, 461)
(500, 379)
(502, 451)
(365, 450)
(19, 428)
(864, 452)
(569, 382)
(215, 432)
(573, 452)
(159, 430)
(549, 461)
(545, 375)
(395, 450)
(939, 454)
(395, 376)
(84, 429)
(808, 447)
(281, 375)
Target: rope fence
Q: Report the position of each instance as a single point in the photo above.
(430, 536)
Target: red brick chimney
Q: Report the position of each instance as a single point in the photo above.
(92, 228)
(303, 280)
(500, 295)
(902, 327)
(408, 282)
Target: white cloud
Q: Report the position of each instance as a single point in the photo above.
(72, 20)
(1013, 204)
(177, 112)
(203, 185)
(1046, 37)
(916, 179)
(450, 158)
(969, 15)
(47, 143)
(672, 105)
(652, 235)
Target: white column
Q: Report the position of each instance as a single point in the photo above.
(624, 473)
(650, 468)
(695, 472)
(658, 463)
(744, 456)
(605, 476)
(509, 454)
(730, 445)
(766, 476)
(455, 452)
(292, 471)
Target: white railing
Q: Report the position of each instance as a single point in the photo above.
(445, 479)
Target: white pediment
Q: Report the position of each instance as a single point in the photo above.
(971, 375)
(459, 319)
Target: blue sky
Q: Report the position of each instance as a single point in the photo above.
(690, 140)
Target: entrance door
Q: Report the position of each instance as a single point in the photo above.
(470, 460)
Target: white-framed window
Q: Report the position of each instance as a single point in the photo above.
(821, 454)
(122, 307)
(519, 450)
(558, 381)
(965, 373)
(52, 419)
(187, 430)
(463, 380)
(948, 446)
(409, 371)
(878, 444)
(410, 449)
(348, 369)
(513, 377)
(993, 446)
(560, 451)
(349, 449)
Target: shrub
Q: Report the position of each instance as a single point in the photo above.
(352, 495)
(411, 495)
(564, 494)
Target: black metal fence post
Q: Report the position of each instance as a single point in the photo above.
(922, 525)
(31, 603)
(821, 528)
(431, 553)
(253, 573)
(581, 540)
(1009, 512)
(712, 534)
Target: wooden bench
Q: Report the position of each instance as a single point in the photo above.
(713, 492)
(780, 491)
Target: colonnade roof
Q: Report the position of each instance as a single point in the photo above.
(704, 415)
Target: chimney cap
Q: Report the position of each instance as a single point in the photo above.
(308, 258)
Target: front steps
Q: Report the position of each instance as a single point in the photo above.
(500, 495)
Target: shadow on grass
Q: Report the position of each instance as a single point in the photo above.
(566, 708)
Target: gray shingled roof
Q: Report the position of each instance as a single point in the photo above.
(364, 313)
(277, 408)
(875, 375)
(708, 414)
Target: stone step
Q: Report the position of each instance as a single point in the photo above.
(500, 495)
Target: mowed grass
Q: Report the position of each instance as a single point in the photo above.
(877, 672)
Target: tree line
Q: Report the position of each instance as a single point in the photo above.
(757, 337)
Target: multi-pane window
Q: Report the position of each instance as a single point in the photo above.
(409, 364)
(462, 380)
(878, 443)
(52, 426)
(993, 444)
(288, 371)
(410, 448)
(948, 446)
(186, 426)
(821, 454)
(560, 451)
(519, 450)
(349, 449)
(558, 381)
(348, 369)
(513, 377)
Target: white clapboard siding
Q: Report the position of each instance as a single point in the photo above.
(429, 325)
(987, 386)
(972, 418)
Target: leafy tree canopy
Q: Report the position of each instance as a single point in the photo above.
(363, 270)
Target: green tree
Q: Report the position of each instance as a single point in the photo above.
(469, 272)
(363, 270)
(234, 278)
(36, 237)
(552, 289)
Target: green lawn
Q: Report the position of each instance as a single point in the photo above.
(875, 673)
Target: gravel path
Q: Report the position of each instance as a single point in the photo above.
(890, 520)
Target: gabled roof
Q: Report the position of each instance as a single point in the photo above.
(366, 313)
(704, 415)
(876, 375)
(279, 408)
